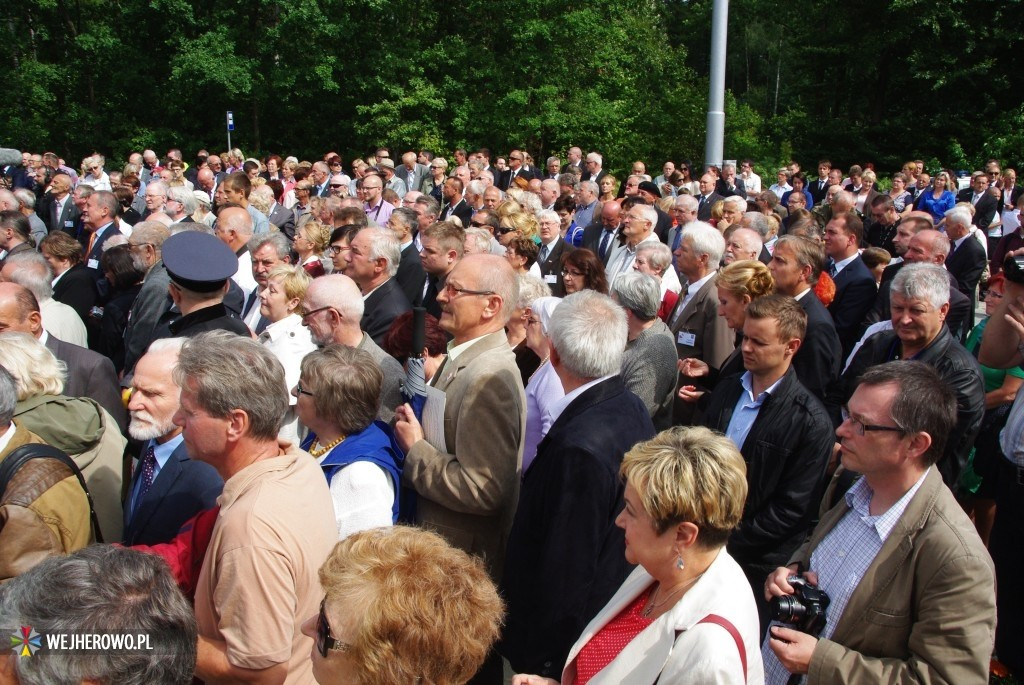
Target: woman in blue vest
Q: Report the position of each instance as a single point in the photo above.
(338, 397)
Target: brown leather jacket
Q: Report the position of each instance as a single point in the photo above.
(43, 511)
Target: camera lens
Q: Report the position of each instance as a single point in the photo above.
(787, 609)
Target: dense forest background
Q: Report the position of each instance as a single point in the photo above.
(873, 80)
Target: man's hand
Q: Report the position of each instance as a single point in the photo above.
(778, 585)
(408, 430)
(793, 648)
(693, 367)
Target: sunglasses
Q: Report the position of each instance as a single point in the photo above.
(505, 230)
(324, 642)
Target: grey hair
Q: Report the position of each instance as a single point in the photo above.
(553, 159)
(705, 240)
(960, 216)
(688, 201)
(102, 589)
(408, 218)
(736, 200)
(33, 272)
(500, 279)
(475, 187)
(338, 291)
(589, 331)
(569, 179)
(659, 255)
(158, 184)
(35, 369)
(758, 222)
(649, 213)
(481, 237)
(531, 288)
(594, 157)
(278, 240)
(8, 398)
(26, 198)
(384, 245)
(228, 372)
(488, 174)
(166, 345)
(928, 282)
(185, 197)
(638, 293)
(589, 185)
(549, 214)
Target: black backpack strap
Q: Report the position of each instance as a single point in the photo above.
(17, 458)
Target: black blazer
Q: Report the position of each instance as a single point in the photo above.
(552, 267)
(68, 221)
(984, 211)
(855, 294)
(966, 263)
(381, 308)
(819, 360)
(460, 209)
(704, 210)
(181, 490)
(411, 275)
(92, 375)
(506, 177)
(566, 556)
(77, 289)
(817, 191)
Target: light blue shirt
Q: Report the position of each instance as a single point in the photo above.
(747, 407)
(161, 453)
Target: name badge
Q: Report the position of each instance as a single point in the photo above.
(687, 338)
(69, 224)
(551, 278)
(94, 264)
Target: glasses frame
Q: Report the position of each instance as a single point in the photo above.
(861, 428)
(301, 390)
(453, 291)
(325, 642)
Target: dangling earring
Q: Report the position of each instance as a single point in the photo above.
(679, 562)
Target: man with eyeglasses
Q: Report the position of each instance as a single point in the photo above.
(467, 478)
(377, 209)
(301, 211)
(919, 304)
(784, 435)
(910, 584)
(515, 170)
(592, 169)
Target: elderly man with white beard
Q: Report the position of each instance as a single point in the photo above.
(168, 488)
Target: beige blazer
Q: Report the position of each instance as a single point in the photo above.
(469, 495)
(924, 611)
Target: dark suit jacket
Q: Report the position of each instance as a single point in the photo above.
(181, 490)
(596, 178)
(90, 375)
(565, 553)
(70, 214)
(411, 275)
(817, 193)
(592, 235)
(663, 226)
(144, 318)
(506, 177)
(552, 267)
(462, 210)
(819, 360)
(704, 209)
(77, 289)
(855, 293)
(284, 219)
(966, 263)
(381, 308)
(984, 211)
(93, 257)
(722, 189)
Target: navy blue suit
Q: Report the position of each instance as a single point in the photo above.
(566, 556)
(181, 490)
(855, 294)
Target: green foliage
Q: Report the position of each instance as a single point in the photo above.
(883, 81)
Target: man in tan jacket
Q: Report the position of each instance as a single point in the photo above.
(43, 509)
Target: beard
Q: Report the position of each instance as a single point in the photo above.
(144, 427)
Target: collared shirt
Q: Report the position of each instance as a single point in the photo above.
(562, 403)
(843, 264)
(5, 439)
(585, 214)
(691, 290)
(843, 557)
(747, 408)
(161, 452)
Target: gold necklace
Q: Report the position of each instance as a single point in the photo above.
(652, 605)
(318, 450)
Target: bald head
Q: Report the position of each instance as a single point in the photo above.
(234, 226)
(340, 305)
(928, 247)
(19, 310)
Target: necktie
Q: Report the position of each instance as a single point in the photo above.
(56, 216)
(832, 268)
(148, 473)
(976, 198)
(603, 249)
(675, 243)
(92, 241)
(543, 253)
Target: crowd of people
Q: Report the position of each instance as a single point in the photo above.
(431, 420)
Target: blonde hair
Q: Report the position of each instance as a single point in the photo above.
(689, 474)
(35, 369)
(317, 233)
(525, 224)
(294, 280)
(427, 612)
(746, 277)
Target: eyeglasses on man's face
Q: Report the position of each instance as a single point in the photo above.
(860, 428)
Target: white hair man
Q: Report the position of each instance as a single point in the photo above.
(374, 256)
(596, 422)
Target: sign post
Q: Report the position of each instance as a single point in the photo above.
(231, 126)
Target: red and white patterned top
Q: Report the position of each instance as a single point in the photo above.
(611, 639)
